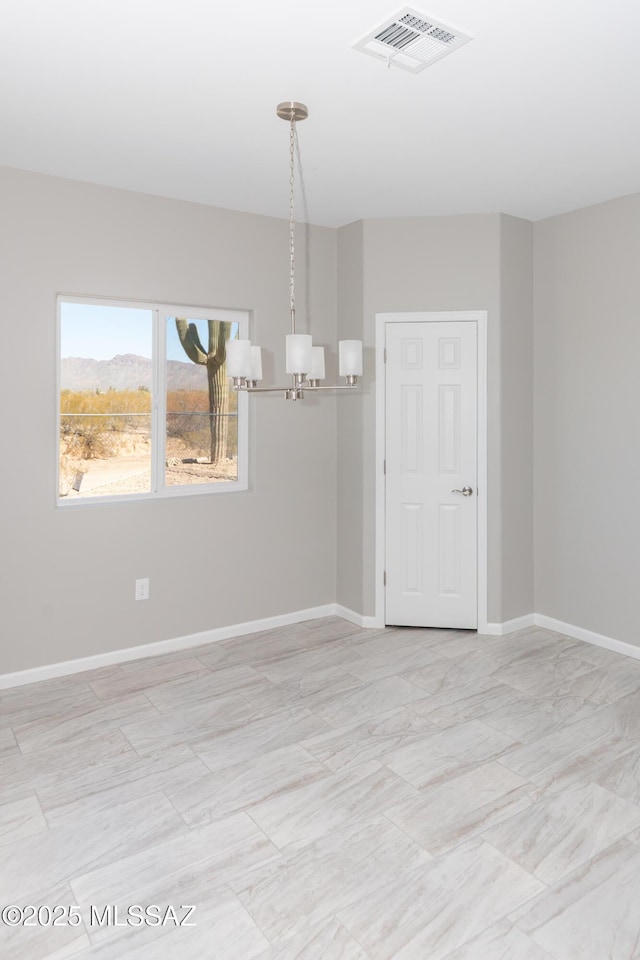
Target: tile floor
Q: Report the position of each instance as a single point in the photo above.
(323, 792)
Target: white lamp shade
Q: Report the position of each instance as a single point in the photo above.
(298, 353)
(350, 358)
(256, 363)
(316, 371)
(238, 358)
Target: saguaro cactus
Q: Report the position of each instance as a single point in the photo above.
(215, 360)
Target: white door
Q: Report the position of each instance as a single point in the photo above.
(431, 473)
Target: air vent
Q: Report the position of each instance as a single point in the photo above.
(411, 40)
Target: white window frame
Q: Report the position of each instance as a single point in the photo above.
(159, 490)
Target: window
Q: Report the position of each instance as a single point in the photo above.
(145, 408)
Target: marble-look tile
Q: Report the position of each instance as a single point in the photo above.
(43, 769)
(215, 796)
(264, 645)
(281, 741)
(559, 759)
(621, 777)
(44, 710)
(615, 681)
(211, 901)
(42, 859)
(535, 673)
(222, 930)
(555, 836)
(329, 629)
(468, 700)
(309, 885)
(603, 685)
(302, 663)
(354, 744)
(391, 640)
(450, 813)
(60, 695)
(326, 804)
(453, 672)
(598, 656)
(327, 941)
(448, 753)
(125, 778)
(38, 733)
(8, 745)
(249, 650)
(529, 718)
(139, 678)
(525, 643)
(171, 695)
(204, 858)
(571, 686)
(454, 643)
(190, 722)
(364, 701)
(368, 665)
(500, 942)
(21, 818)
(302, 690)
(63, 942)
(257, 737)
(232, 937)
(436, 908)
(593, 913)
(621, 717)
(380, 641)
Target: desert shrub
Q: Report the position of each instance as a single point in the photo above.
(89, 419)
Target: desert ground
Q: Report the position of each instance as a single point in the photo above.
(128, 470)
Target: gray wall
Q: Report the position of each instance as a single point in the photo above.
(351, 427)
(516, 418)
(446, 263)
(68, 574)
(587, 388)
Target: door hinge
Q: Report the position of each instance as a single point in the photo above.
(384, 355)
(384, 578)
(384, 467)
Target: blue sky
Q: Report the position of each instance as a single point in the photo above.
(101, 332)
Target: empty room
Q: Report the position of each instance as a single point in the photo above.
(319, 635)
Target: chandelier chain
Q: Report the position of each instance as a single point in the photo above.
(292, 225)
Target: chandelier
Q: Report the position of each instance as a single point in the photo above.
(304, 361)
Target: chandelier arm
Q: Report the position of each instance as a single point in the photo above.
(333, 386)
(244, 388)
(304, 386)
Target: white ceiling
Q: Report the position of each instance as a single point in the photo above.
(537, 115)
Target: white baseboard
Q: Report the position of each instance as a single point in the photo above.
(357, 618)
(52, 670)
(510, 626)
(67, 667)
(579, 633)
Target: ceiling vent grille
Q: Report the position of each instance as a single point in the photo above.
(411, 40)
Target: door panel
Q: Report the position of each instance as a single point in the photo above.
(431, 450)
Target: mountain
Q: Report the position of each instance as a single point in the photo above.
(127, 372)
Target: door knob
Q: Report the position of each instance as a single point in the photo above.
(466, 491)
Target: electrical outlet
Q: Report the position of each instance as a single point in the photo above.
(142, 589)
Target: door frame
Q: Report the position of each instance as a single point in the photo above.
(480, 318)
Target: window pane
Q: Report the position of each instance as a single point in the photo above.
(105, 400)
(202, 412)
